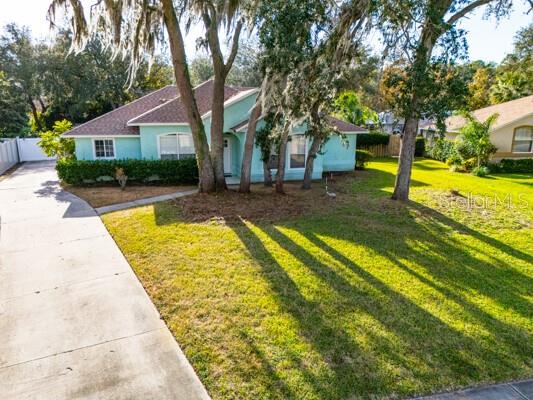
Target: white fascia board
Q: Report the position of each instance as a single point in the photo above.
(233, 100)
(97, 136)
(162, 124)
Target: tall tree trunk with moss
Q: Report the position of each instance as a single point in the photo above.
(267, 174)
(246, 168)
(221, 70)
(282, 157)
(431, 31)
(310, 161)
(179, 61)
(433, 27)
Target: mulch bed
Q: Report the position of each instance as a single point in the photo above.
(263, 203)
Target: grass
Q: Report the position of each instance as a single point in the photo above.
(99, 196)
(366, 299)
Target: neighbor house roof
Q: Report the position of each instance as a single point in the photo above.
(509, 112)
(341, 125)
(162, 106)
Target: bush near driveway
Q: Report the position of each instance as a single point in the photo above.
(365, 299)
(78, 172)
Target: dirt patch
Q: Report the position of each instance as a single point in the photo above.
(262, 204)
(99, 196)
(8, 172)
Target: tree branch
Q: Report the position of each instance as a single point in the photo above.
(234, 46)
(472, 6)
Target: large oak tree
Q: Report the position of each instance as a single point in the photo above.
(136, 28)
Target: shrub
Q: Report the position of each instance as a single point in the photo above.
(480, 171)
(474, 140)
(371, 139)
(523, 166)
(362, 157)
(442, 150)
(420, 146)
(54, 145)
(78, 172)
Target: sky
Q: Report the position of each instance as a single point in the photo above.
(487, 40)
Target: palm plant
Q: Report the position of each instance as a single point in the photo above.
(474, 139)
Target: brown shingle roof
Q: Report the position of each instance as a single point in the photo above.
(116, 122)
(161, 106)
(342, 126)
(508, 112)
(174, 112)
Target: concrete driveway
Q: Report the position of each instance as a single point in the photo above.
(75, 323)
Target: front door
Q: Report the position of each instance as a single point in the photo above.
(227, 157)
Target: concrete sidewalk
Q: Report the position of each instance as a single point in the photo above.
(143, 202)
(75, 322)
(522, 390)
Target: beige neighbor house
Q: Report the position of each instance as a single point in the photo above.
(512, 133)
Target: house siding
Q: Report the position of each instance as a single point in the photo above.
(128, 147)
(149, 141)
(502, 138)
(337, 155)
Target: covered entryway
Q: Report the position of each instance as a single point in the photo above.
(227, 157)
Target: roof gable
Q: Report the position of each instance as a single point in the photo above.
(509, 112)
(115, 122)
(175, 112)
(162, 106)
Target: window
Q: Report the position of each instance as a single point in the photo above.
(297, 151)
(273, 159)
(523, 140)
(176, 147)
(168, 147)
(186, 146)
(104, 148)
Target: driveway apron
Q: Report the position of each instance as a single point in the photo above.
(75, 323)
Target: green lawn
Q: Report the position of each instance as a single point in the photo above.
(371, 299)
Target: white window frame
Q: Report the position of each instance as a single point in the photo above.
(104, 158)
(177, 142)
(288, 155)
(514, 141)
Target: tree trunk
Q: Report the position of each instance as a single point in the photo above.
(405, 162)
(309, 164)
(179, 61)
(267, 174)
(282, 155)
(210, 17)
(217, 132)
(246, 168)
(35, 114)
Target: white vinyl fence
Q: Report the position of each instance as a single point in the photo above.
(8, 154)
(13, 151)
(29, 150)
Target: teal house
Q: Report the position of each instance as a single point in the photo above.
(155, 127)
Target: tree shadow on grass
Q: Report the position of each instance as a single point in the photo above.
(426, 346)
(422, 345)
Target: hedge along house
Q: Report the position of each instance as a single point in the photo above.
(155, 127)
